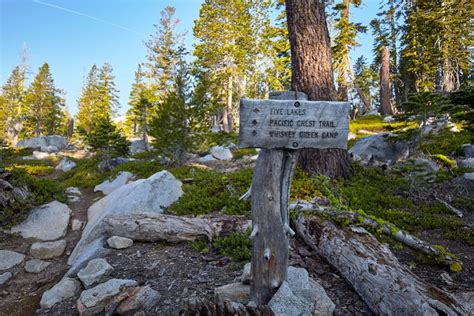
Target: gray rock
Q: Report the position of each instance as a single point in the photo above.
(66, 165)
(221, 153)
(93, 301)
(434, 125)
(301, 295)
(150, 195)
(388, 119)
(285, 303)
(65, 289)
(139, 299)
(108, 186)
(73, 194)
(76, 224)
(110, 164)
(469, 176)
(117, 242)
(428, 164)
(9, 259)
(380, 149)
(38, 155)
(5, 277)
(207, 158)
(468, 150)
(39, 223)
(52, 142)
(49, 249)
(467, 163)
(467, 301)
(137, 146)
(235, 292)
(247, 273)
(36, 266)
(96, 271)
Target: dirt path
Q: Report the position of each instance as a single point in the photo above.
(22, 293)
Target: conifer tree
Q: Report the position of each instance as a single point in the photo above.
(165, 50)
(45, 105)
(13, 106)
(87, 101)
(224, 49)
(344, 41)
(170, 124)
(105, 139)
(98, 99)
(365, 79)
(140, 105)
(435, 44)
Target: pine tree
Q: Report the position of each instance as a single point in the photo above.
(386, 30)
(87, 102)
(170, 124)
(13, 107)
(165, 50)
(365, 79)
(105, 140)
(98, 99)
(225, 49)
(435, 44)
(45, 104)
(141, 101)
(344, 41)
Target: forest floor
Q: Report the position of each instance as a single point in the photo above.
(182, 271)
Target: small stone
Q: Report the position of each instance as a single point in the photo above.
(5, 277)
(221, 153)
(93, 301)
(65, 289)
(139, 299)
(76, 224)
(469, 176)
(117, 242)
(47, 250)
(36, 266)
(468, 150)
(66, 165)
(467, 163)
(247, 274)
(9, 259)
(235, 292)
(96, 271)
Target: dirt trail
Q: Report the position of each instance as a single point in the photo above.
(21, 295)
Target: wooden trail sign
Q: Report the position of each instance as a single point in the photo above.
(273, 172)
(293, 124)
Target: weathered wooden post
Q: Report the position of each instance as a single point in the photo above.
(281, 126)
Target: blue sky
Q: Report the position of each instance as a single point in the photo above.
(71, 35)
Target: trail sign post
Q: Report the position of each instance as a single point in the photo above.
(280, 126)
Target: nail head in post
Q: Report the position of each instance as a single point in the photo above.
(295, 144)
(297, 104)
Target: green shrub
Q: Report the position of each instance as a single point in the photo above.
(236, 246)
(34, 170)
(85, 175)
(211, 191)
(43, 190)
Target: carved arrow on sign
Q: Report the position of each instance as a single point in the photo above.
(256, 110)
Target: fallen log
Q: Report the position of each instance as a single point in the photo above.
(385, 285)
(449, 207)
(437, 253)
(158, 227)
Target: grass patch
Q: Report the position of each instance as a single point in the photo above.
(375, 124)
(241, 152)
(445, 142)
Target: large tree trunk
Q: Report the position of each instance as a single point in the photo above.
(227, 125)
(385, 95)
(312, 74)
(385, 285)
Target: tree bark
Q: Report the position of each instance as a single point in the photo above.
(311, 63)
(385, 95)
(385, 285)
